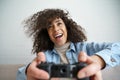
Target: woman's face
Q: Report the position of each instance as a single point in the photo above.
(57, 32)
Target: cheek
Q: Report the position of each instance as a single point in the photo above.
(65, 32)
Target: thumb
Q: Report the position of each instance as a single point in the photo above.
(41, 57)
(82, 57)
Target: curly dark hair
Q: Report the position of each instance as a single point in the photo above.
(38, 23)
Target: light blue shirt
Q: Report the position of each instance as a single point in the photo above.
(109, 52)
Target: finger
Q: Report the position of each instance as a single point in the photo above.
(97, 76)
(41, 57)
(37, 73)
(89, 70)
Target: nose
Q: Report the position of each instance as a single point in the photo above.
(56, 28)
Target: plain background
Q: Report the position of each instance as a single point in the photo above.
(100, 18)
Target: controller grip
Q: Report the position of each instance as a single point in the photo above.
(45, 66)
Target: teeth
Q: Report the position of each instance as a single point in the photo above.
(58, 35)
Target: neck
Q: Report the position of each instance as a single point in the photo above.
(60, 46)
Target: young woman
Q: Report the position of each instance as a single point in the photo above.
(59, 39)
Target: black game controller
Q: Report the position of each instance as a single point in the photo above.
(62, 70)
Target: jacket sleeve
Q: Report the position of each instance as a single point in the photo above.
(109, 52)
(21, 73)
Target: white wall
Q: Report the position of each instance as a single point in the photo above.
(100, 18)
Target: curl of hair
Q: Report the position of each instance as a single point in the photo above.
(38, 23)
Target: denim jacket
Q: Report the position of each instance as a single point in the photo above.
(109, 52)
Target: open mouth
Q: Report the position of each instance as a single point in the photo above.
(59, 35)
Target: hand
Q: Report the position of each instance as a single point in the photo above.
(33, 73)
(94, 65)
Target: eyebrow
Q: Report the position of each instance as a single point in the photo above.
(58, 20)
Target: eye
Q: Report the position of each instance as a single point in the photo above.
(49, 26)
(59, 24)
